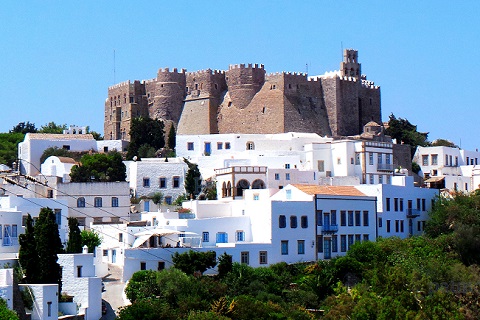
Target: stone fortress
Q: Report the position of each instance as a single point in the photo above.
(244, 99)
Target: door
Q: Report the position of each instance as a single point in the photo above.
(114, 256)
(208, 148)
(326, 222)
(327, 248)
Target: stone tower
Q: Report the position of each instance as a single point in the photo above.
(168, 96)
(244, 82)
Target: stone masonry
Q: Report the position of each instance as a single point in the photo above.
(244, 99)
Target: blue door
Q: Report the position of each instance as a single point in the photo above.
(326, 222)
(327, 249)
(208, 148)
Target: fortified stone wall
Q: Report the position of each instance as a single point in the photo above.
(244, 99)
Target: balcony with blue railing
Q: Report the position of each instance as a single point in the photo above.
(330, 228)
(413, 213)
(186, 215)
(385, 167)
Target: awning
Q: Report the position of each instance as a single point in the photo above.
(434, 179)
(157, 232)
(140, 240)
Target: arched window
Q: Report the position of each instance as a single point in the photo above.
(229, 189)
(81, 202)
(114, 202)
(250, 145)
(224, 190)
(242, 185)
(98, 202)
(258, 184)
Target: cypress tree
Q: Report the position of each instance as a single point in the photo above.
(28, 255)
(74, 244)
(171, 138)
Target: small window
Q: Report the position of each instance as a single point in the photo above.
(365, 218)
(282, 221)
(98, 202)
(161, 265)
(304, 222)
(293, 222)
(256, 197)
(176, 182)
(120, 237)
(350, 218)
(146, 182)
(114, 202)
(168, 200)
(343, 218)
(287, 165)
(263, 257)
(245, 257)
(66, 147)
(250, 146)
(205, 236)
(370, 158)
(163, 183)
(190, 146)
(288, 194)
(79, 271)
(81, 202)
(284, 247)
(105, 253)
(277, 176)
(227, 145)
(287, 176)
(222, 237)
(240, 236)
(219, 146)
(301, 246)
(143, 265)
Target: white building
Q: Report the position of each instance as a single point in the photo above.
(152, 175)
(60, 167)
(45, 305)
(449, 167)
(80, 281)
(402, 208)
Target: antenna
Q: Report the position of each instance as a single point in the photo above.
(306, 68)
(113, 66)
(341, 45)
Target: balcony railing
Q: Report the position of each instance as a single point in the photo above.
(384, 167)
(331, 228)
(413, 213)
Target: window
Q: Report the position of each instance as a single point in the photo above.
(350, 218)
(387, 158)
(256, 197)
(161, 265)
(425, 160)
(66, 147)
(365, 218)
(339, 160)
(288, 194)
(120, 237)
(380, 179)
(395, 204)
(284, 247)
(350, 241)
(287, 176)
(372, 179)
(388, 225)
(401, 204)
(146, 182)
(293, 222)
(49, 308)
(98, 202)
(50, 193)
(343, 243)
(397, 227)
(190, 146)
(205, 236)
(357, 238)
(114, 202)
(79, 271)
(58, 217)
(176, 182)
(105, 253)
(401, 226)
(250, 146)
(366, 237)
(227, 145)
(389, 179)
(343, 218)
(304, 222)
(446, 160)
(319, 217)
(81, 221)
(282, 221)
(301, 246)
(387, 204)
(321, 165)
(168, 200)
(239, 236)
(333, 217)
(263, 257)
(423, 205)
(370, 158)
(143, 266)
(222, 237)
(380, 223)
(277, 176)
(418, 203)
(357, 219)
(163, 183)
(379, 158)
(81, 202)
(287, 165)
(334, 244)
(219, 146)
(146, 205)
(245, 257)
(357, 158)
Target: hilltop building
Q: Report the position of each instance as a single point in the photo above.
(245, 99)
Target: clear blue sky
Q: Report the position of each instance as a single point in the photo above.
(56, 61)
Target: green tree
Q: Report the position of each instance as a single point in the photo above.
(58, 152)
(74, 244)
(405, 132)
(91, 239)
(5, 313)
(194, 261)
(225, 264)
(48, 245)
(193, 179)
(443, 143)
(52, 127)
(99, 167)
(28, 254)
(146, 151)
(142, 285)
(24, 128)
(97, 136)
(157, 198)
(171, 140)
(144, 130)
(9, 147)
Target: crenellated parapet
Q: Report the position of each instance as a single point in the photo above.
(244, 82)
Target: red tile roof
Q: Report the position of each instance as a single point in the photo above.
(329, 190)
